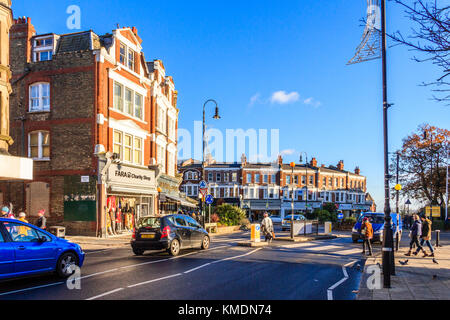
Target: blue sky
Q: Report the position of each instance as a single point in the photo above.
(242, 52)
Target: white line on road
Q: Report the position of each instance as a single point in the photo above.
(31, 288)
(107, 271)
(154, 280)
(105, 294)
(337, 284)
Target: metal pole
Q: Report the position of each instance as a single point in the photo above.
(307, 179)
(446, 188)
(292, 204)
(387, 234)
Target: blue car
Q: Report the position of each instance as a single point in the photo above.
(377, 221)
(26, 250)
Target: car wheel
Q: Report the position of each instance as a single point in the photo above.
(174, 249)
(138, 252)
(66, 264)
(205, 243)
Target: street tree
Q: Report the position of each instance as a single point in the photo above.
(422, 165)
(430, 37)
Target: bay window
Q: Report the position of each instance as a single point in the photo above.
(128, 101)
(128, 147)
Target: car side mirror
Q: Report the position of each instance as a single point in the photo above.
(42, 239)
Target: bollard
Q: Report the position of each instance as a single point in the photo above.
(438, 232)
(397, 241)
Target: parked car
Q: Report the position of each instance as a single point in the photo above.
(28, 250)
(377, 221)
(286, 223)
(172, 233)
(276, 219)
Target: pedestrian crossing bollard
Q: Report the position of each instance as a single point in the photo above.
(255, 235)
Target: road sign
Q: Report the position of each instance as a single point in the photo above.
(203, 192)
(209, 199)
(340, 216)
(203, 185)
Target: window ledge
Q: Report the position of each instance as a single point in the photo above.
(41, 159)
(39, 111)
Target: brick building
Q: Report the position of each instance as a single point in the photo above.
(271, 187)
(11, 168)
(100, 123)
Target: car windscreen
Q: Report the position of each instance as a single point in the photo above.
(374, 219)
(152, 222)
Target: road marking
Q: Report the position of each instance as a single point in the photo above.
(31, 288)
(199, 267)
(154, 280)
(105, 294)
(107, 271)
(337, 284)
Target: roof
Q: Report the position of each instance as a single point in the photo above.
(77, 42)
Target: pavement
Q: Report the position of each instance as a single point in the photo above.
(419, 279)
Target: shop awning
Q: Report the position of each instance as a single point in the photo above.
(133, 190)
(182, 201)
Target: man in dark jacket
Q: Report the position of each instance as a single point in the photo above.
(426, 235)
(416, 232)
(42, 221)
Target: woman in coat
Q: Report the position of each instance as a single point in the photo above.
(367, 234)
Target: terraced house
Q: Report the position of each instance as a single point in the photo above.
(100, 123)
(281, 189)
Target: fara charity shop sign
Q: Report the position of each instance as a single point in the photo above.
(121, 174)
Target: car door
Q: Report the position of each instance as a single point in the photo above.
(196, 232)
(6, 256)
(183, 231)
(31, 254)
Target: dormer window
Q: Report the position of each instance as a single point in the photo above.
(127, 57)
(43, 49)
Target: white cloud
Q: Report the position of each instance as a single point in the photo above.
(254, 99)
(287, 152)
(282, 97)
(312, 102)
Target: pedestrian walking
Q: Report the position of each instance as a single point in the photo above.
(415, 233)
(22, 229)
(367, 234)
(7, 213)
(267, 227)
(42, 220)
(426, 236)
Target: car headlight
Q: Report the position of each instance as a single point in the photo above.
(354, 230)
(379, 231)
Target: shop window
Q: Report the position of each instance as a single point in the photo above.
(39, 145)
(40, 97)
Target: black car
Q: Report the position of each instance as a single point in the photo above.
(172, 233)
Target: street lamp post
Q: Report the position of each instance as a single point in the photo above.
(388, 240)
(292, 164)
(216, 116)
(306, 180)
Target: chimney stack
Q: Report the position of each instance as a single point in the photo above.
(313, 162)
(357, 171)
(340, 165)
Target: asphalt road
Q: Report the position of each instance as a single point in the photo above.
(317, 270)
